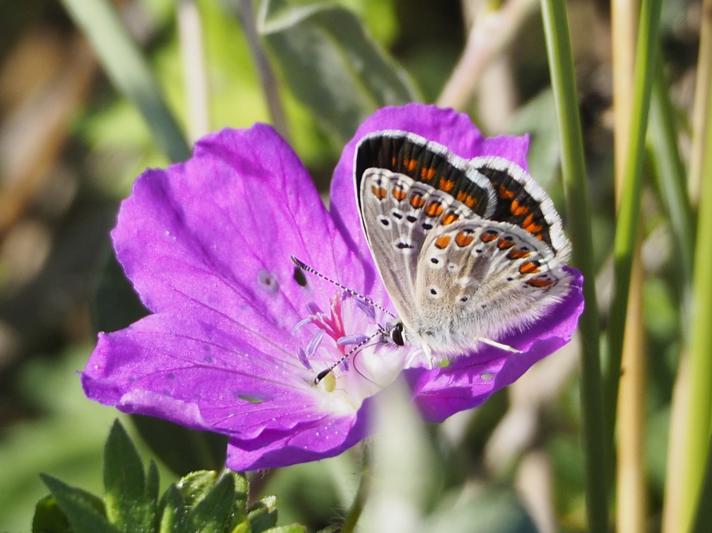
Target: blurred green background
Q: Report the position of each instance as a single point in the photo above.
(70, 148)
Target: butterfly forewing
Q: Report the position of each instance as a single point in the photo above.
(522, 202)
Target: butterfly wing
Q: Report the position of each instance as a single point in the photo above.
(406, 187)
(522, 202)
(483, 278)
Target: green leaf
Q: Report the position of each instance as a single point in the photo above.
(152, 482)
(215, 512)
(84, 511)
(49, 517)
(331, 64)
(196, 485)
(263, 514)
(172, 511)
(128, 504)
(291, 528)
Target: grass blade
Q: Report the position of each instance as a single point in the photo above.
(628, 212)
(561, 66)
(128, 71)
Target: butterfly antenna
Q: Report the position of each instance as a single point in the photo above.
(306, 268)
(321, 375)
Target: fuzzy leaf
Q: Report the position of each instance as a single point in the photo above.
(331, 63)
(49, 517)
(172, 511)
(128, 505)
(214, 513)
(263, 514)
(84, 511)
(291, 528)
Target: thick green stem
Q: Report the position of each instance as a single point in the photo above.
(628, 211)
(128, 71)
(579, 213)
(700, 392)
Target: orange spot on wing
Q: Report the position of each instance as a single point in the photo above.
(488, 236)
(528, 220)
(504, 244)
(399, 193)
(427, 173)
(394, 161)
(467, 199)
(533, 228)
(529, 267)
(434, 209)
(378, 192)
(518, 209)
(446, 184)
(505, 193)
(463, 239)
(417, 201)
(410, 164)
(442, 242)
(541, 283)
(518, 254)
(449, 218)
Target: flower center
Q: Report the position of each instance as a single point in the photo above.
(349, 353)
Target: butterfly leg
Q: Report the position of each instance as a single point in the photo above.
(429, 355)
(499, 345)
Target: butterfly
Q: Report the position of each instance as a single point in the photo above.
(468, 249)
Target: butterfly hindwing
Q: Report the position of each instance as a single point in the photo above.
(480, 278)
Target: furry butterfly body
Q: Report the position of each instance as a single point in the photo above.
(467, 249)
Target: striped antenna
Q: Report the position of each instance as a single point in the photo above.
(321, 375)
(365, 299)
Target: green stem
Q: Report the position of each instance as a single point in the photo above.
(670, 172)
(700, 392)
(628, 211)
(703, 518)
(579, 212)
(128, 71)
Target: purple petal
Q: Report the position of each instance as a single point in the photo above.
(237, 382)
(301, 444)
(215, 234)
(446, 126)
(470, 380)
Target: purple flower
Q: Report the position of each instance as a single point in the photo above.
(237, 334)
